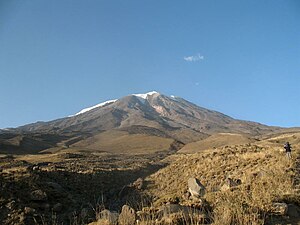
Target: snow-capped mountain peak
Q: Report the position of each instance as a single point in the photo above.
(144, 96)
(96, 106)
(158, 112)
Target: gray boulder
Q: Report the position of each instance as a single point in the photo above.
(280, 208)
(196, 188)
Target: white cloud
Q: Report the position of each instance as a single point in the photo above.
(194, 58)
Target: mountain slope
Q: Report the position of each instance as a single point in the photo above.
(151, 114)
(151, 110)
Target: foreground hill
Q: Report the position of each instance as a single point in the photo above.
(251, 183)
(245, 184)
(152, 115)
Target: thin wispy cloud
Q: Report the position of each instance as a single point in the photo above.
(194, 58)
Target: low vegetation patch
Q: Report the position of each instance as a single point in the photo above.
(241, 184)
(244, 183)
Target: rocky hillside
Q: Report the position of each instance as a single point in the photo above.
(243, 184)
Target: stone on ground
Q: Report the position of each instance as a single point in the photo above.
(196, 188)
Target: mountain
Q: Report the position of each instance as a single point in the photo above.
(161, 122)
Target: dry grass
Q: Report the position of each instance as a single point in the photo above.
(215, 141)
(267, 176)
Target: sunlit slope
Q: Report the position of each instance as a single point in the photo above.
(123, 142)
(216, 140)
(266, 177)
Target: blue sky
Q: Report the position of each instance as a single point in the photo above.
(239, 57)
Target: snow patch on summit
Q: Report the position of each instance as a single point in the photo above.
(142, 97)
(145, 96)
(95, 106)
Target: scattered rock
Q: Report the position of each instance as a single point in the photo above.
(196, 188)
(21, 218)
(280, 208)
(127, 216)
(186, 195)
(110, 217)
(38, 195)
(28, 210)
(33, 168)
(36, 168)
(139, 184)
(11, 205)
